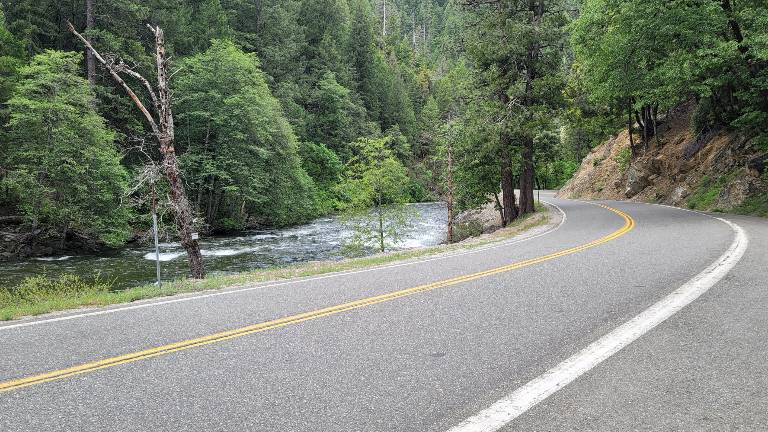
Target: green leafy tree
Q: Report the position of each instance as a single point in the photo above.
(61, 155)
(396, 101)
(430, 122)
(649, 62)
(375, 189)
(327, 26)
(271, 29)
(325, 169)
(474, 139)
(517, 49)
(32, 22)
(240, 155)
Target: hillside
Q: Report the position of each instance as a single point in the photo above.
(716, 171)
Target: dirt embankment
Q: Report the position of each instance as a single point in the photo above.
(718, 170)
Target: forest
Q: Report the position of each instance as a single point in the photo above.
(275, 112)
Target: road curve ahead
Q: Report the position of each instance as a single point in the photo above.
(622, 316)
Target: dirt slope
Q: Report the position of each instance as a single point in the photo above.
(715, 171)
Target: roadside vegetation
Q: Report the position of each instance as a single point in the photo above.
(39, 294)
(755, 205)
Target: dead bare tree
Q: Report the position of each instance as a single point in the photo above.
(162, 129)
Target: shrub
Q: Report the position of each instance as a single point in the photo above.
(623, 158)
(703, 118)
(463, 231)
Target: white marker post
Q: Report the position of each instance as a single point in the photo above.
(154, 229)
(157, 248)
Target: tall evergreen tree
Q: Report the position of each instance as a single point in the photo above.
(11, 58)
(518, 47)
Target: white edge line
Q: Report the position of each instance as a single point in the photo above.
(524, 398)
(288, 282)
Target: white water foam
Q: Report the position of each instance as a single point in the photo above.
(61, 258)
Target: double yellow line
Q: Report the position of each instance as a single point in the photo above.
(5, 386)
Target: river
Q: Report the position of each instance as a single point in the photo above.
(321, 239)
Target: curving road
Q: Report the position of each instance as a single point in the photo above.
(622, 316)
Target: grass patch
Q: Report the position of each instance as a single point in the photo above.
(754, 206)
(623, 158)
(43, 293)
(706, 194)
(39, 294)
(708, 191)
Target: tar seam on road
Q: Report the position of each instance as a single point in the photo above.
(505, 410)
(289, 282)
(19, 383)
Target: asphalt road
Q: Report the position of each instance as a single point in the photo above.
(424, 359)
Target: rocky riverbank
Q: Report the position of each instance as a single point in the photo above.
(19, 240)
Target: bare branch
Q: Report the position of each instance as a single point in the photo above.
(116, 76)
(122, 67)
(174, 73)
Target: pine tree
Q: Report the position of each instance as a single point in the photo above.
(11, 58)
(334, 118)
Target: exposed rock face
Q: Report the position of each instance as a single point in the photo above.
(678, 195)
(637, 180)
(670, 172)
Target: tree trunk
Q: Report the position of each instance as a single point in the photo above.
(507, 182)
(89, 26)
(641, 126)
(630, 131)
(182, 210)
(64, 236)
(654, 117)
(528, 170)
(645, 121)
(384, 21)
(381, 228)
(527, 179)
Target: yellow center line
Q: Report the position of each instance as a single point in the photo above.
(15, 384)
